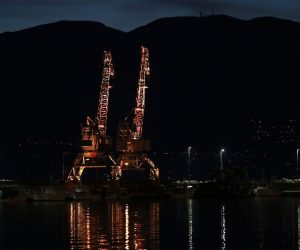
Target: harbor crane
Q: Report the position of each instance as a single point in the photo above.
(131, 146)
(96, 144)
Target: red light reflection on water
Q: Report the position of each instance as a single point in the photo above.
(114, 225)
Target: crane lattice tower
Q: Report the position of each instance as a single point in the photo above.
(96, 144)
(131, 146)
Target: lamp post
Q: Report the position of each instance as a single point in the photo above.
(189, 160)
(221, 158)
(297, 162)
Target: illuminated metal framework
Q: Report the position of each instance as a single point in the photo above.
(141, 92)
(108, 71)
(130, 144)
(95, 143)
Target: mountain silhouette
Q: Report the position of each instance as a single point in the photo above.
(209, 76)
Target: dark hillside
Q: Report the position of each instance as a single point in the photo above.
(209, 76)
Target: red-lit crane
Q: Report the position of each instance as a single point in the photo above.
(130, 144)
(108, 71)
(140, 98)
(95, 143)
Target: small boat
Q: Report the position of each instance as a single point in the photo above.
(45, 193)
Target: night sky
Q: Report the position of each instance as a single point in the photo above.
(128, 14)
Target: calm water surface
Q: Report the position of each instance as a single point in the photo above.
(269, 223)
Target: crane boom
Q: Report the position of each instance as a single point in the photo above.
(140, 98)
(95, 143)
(108, 71)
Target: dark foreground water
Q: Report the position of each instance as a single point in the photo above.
(269, 223)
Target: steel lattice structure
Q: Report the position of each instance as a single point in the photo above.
(130, 144)
(108, 71)
(95, 142)
(96, 145)
(140, 98)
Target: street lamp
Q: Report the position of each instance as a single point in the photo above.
(221, 159)
(189, 160)
(297, 162)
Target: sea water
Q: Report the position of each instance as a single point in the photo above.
(237, 223)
